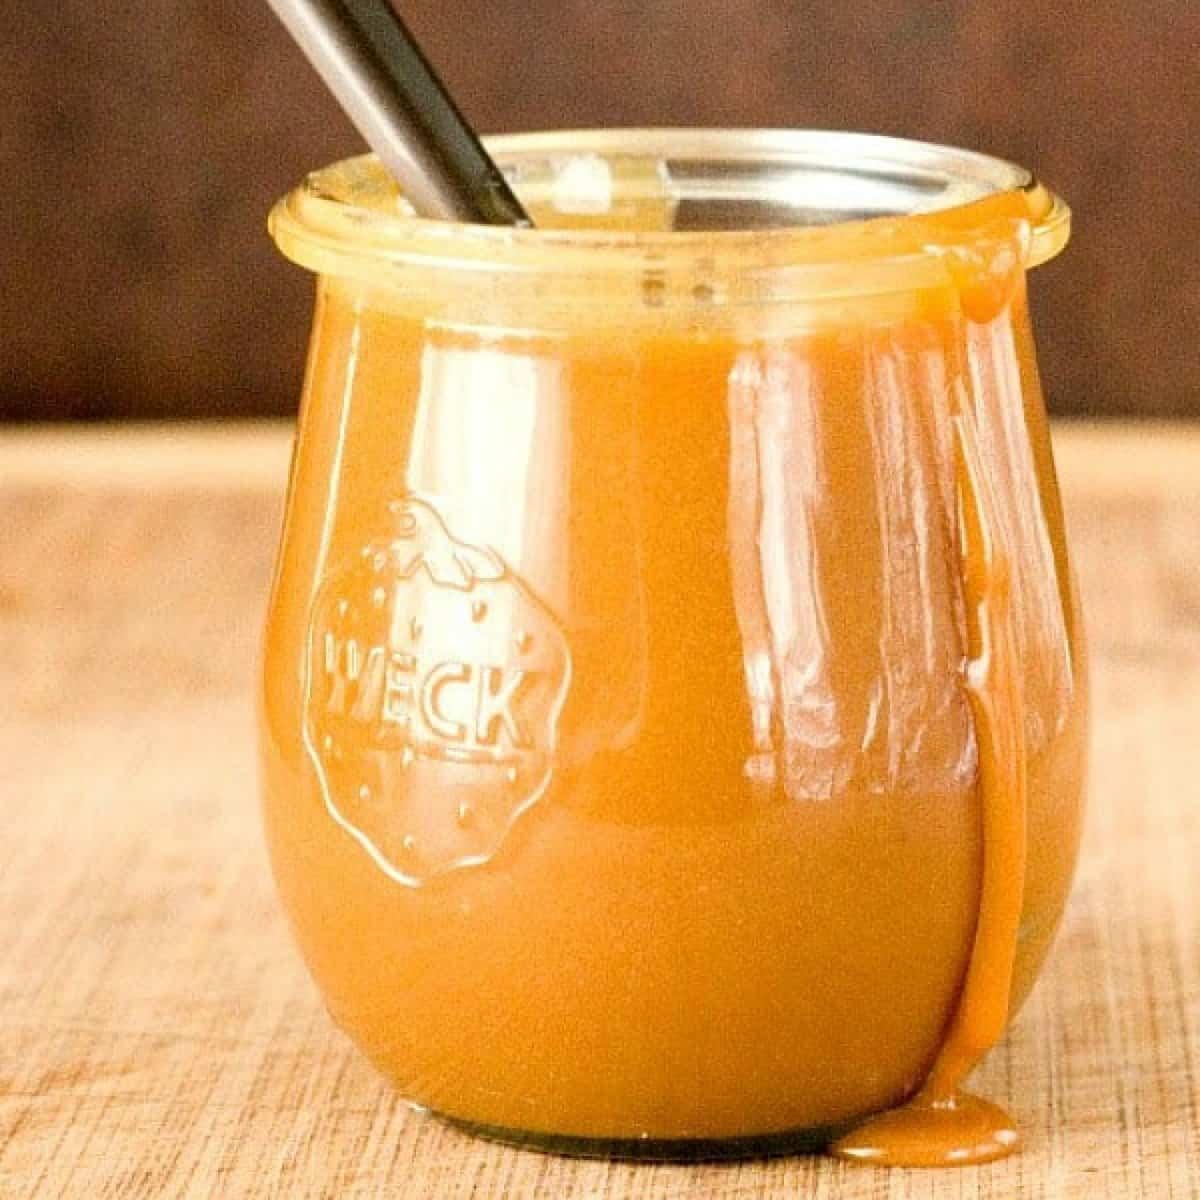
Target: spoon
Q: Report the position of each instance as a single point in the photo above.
(378, 74)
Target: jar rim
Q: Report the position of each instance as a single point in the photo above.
(350, 219)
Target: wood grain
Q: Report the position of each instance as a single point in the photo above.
(158, 1036)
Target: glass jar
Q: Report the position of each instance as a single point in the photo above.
(672, 608)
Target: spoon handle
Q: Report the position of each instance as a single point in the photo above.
(370, 62)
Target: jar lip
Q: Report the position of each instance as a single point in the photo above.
(349, 218)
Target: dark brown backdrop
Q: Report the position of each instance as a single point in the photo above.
(142, 143)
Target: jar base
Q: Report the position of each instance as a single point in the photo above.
(650, 1149)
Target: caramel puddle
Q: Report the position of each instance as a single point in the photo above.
(959, 1131)
(941, 1125)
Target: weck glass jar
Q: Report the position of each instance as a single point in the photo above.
(673, 709)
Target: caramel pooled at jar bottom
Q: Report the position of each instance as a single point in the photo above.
(638, 604)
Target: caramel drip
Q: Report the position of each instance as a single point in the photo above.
(942, 1125)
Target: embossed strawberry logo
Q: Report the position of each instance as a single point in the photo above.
(435, 680)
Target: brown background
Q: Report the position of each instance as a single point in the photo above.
(141, 144)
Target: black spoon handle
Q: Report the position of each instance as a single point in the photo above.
(372, 65)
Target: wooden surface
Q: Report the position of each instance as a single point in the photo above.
(158, 1036)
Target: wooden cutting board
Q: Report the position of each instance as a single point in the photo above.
(158, 1036)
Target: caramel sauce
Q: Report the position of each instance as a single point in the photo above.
(941, 1125)
(716, 842)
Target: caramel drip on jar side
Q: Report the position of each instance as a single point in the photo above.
(942, 1125)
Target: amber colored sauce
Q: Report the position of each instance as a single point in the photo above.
(941, 1125)
(784, 863)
